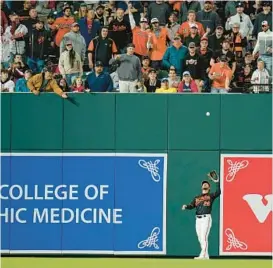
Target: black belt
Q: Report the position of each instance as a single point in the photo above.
(201, 216)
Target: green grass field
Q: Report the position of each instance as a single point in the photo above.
(130, 263)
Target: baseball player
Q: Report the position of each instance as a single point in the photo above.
(203, 204)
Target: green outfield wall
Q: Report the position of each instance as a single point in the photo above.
(172, 124)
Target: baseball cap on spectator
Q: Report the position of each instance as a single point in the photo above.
(143, 20)
(75, 24)
(191, 44)
(66, 7)
(248, 54)
(68, 42)
(154, 20)
(165, 79)
(264, 23)
(219, 26)
(151, 71)
(223, 58)
(100, 6)
(266, 3)
(204, 38)
(174, 13)
(177, 37)
(194, 26)
(83, 5)
(226, 41)
(186, 73)
(98, 64)
(209, 1)
(131, 45)
(239, 4)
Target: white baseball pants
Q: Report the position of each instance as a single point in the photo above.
(203, 225)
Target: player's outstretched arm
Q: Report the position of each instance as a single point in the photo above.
(190, 206)
(217, 192)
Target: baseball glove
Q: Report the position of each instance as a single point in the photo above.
(213, 176)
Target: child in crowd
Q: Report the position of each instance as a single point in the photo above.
(77, 85)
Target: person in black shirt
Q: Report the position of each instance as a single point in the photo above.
(206, 55)
(120, 31)
(216, 39)
(152, 83)
(225, 51)
(99, 14)
(203, 205)
(193, 64)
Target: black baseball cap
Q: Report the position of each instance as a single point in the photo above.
(98, 63)
(152, 71)
(239, 4)
(223, 58)
(203, 182)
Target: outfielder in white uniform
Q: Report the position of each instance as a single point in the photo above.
(203, 204)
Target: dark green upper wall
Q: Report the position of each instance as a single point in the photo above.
(133, 122)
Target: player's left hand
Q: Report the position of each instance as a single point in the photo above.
(184, 207)
(213, 176)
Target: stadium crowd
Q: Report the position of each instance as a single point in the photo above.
(136, 46)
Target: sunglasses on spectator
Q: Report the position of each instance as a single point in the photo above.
(69, 45)
(264, 26)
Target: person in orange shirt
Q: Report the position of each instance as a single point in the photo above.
(184, 29)
(63, 25)
(156, 44)
(221, 75)
(140, 34)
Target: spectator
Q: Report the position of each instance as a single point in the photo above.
(44, 82)
(99, 14)
(24, 13)
(31, 21)
(77, 85)
(225, 51)
(77, 40)
(165, 87)
(101, 48)
(193, 64)
(209, 18)
(175, 55)
(249, 60)
(120, 31)
(172, 26)
(98, 81)
(230, 8)
(129, 71)
(15, 71)
(159, 10)
(82, 14)
(157, 40)
(220, 74)
(261, 77)
(140, 35)
(63, 25)
(115, 80)
(246, 26)
(187, 84)
(265, 15)
(152, 83)
(7, 85)
(63, 85)
(70, 64)
(237, 42)
(89, 27)
(205, 55)
(193, 36)
(216, 39)
(21, 84)
(145, 67)
(16, 33)
(243, 79)
(174, 80)
(264, 46)
(38, 50)
(186, 7)
(22, 67)
(184, 29)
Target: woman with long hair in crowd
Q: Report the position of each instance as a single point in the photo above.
(70, 64)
